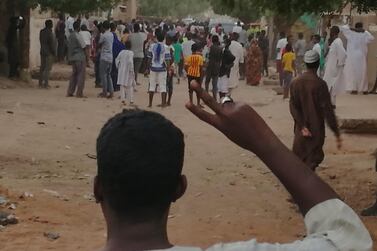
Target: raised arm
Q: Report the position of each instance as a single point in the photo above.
(234, 120)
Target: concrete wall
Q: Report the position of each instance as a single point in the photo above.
(125, 15)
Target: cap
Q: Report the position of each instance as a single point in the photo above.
(311, 57)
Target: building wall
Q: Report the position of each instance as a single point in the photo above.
(127, 14)
(37, 22)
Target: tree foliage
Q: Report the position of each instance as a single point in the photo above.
(70, 6)
(290, 10)
(245, 10)
(172, 8)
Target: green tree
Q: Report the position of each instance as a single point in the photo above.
(172, 8)
(286, 12)
(71, 6)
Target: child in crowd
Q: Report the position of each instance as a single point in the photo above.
(289, 68)
(194, 68)
(126, 75)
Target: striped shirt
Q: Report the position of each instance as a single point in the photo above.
(194, 63)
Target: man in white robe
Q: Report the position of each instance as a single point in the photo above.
(238, 52)
(126, 74)
(356, 63)
(334, 72)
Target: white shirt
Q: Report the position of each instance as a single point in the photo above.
(237, 29)
(282, 43)
(330, 226)
(186, 48)
(69, 25)
(87, 37)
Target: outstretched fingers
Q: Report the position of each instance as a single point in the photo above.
(210, 101)
(207, 117)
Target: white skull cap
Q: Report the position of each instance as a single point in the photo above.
(311, 57)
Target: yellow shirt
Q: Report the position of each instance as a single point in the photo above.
(194, 63)
(288, 61)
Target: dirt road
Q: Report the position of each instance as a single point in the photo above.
(46, 139)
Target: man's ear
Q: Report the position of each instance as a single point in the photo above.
(181, 188)
(97, 190)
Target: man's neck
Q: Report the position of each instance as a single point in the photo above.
(143, 236)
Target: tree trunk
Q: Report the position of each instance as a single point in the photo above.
(25, 39)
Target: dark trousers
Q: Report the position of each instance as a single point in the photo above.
(61, 50)
(77, 78)
(96, 70)
(44, 72)
(265, 64)
(137, 66)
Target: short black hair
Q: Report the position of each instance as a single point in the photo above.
(359, 25)
(317, 37)
(136, 27)
(140, 157)
(288, 48)
(301, 35)
(49, 23)
(282, 34)
(84, 28)
(335, 29)
(113, 26)
(160, 35)
(215, 39)
(128, 45)
(195, 47)
(76, 26)
(314, 65)
(106, 25)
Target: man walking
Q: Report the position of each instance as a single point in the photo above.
(334, 71)
(310, 106)
(106, 61)
(137, 39)
(77, 58)
(300, 49)
(356, 64)
(46, 39)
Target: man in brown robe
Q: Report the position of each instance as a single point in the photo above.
(310, 106)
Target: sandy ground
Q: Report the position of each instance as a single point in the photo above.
(232, 196)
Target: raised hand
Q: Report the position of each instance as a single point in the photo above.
(238, 121)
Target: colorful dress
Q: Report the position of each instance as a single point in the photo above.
(254, 61)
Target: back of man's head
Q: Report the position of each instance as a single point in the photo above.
(282, 34)
(136, 27)
(140, 158)
(317, 38)
(49, 24)
(113, 27)
(106, 25)
(76, 25)
(160, 35)
(301, 35)
(359, 25)
(215, 39)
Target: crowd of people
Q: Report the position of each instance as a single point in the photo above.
(168, 52)
(136, 200)
(163, 52)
